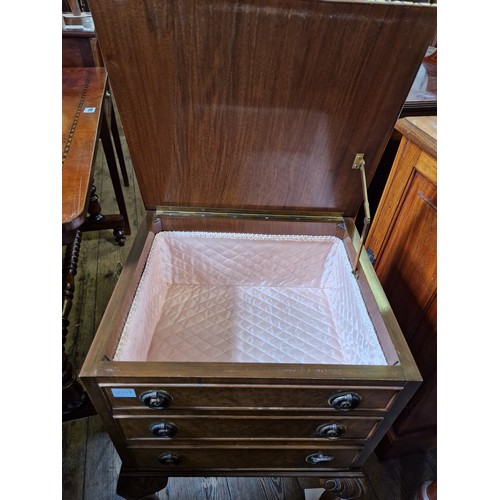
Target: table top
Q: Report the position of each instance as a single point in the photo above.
(82, 100)
(422, 130)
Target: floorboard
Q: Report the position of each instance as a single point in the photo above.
(90, 463)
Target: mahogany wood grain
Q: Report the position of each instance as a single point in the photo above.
(271, 110)
(79, 51)
(217, 427)
(81, 88)
(202, 396)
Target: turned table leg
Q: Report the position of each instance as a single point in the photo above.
(343, 488)
(74, 399)
(97, 221)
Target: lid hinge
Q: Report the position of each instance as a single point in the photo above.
(270, 215)
(359, 164)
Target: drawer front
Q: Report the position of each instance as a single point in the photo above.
(178, 428)
(336, 398)
(173, 458)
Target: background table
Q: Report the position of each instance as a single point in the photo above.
(84, 122)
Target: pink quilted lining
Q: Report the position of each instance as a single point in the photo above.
(224, 297)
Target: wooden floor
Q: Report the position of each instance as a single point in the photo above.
(90, 463)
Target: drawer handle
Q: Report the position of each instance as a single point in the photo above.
(164, 429)
(331, 431)
(169, 459)
(318, 458)
(156, 399)
(345, 401)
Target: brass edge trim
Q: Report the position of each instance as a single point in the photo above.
(254, 214)
(403, 351)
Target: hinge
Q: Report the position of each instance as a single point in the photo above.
(359, 164)
(249, 214)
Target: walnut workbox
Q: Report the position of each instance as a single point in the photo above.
(248, 334)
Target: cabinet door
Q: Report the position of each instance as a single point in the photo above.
(407, 264)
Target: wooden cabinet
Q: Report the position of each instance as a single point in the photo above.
(403, 240)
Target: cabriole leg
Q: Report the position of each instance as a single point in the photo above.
(138, 487)
(343, 488)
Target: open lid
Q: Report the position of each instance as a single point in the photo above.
(259, 104)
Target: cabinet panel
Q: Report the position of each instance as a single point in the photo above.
(407, 265)
(403, 239)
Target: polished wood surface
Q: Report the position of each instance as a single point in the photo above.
(91, 465)
(271, 111)
(137, 429)
(403, 239)
(80, 50)
(82, 88)
(268, 113)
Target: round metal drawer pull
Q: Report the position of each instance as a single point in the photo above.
(169, 459)
(164, 429)
(318, 458)
(345, 401)
(331, 431)
(156, 399)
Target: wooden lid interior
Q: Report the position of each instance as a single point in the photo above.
(259, 104)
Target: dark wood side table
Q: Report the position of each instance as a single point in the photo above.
(84, 122)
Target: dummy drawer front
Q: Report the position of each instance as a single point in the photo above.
(177, 428)
(199, 397)
(246, 458)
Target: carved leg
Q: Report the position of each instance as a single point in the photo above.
(343, 488)
(97, 221)
(119, 234)
(94, 209)
(74, 399)
(140, 487)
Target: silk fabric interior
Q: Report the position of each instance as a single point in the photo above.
(224, 297)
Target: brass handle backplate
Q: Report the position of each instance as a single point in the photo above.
(156, 399)
(331, 431)
(169, 459)
(345, 401)
(164, 429)
(318, 458)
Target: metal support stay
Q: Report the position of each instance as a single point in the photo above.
(359, 164)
